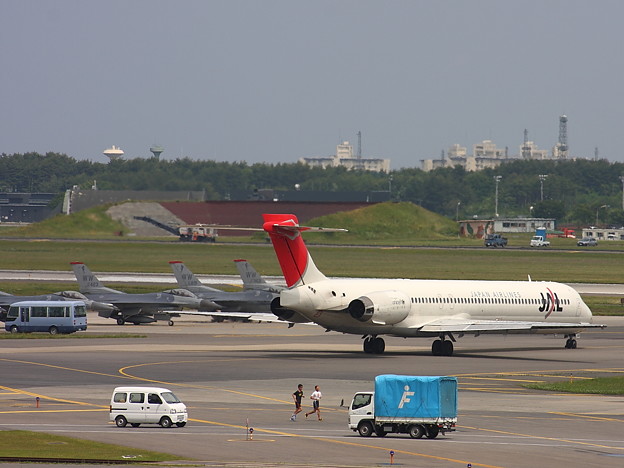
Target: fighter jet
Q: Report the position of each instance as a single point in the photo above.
(252, 280)
(254, 300)
(138, 308)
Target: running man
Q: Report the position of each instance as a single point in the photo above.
(297, 396)
(316, 402)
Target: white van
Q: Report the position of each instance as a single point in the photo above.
(147, 405)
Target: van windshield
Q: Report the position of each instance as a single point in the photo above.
(170, 397)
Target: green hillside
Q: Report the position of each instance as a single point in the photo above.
(93, 223)
(379, 223)
(382, 222)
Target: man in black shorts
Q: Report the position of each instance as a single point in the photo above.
(297, 396)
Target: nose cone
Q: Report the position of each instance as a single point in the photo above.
(208, 305)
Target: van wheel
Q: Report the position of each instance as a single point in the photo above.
(120, 421)
(135, 424)
(416, 431)
(14, 329)
(165, 422)
(182, 424)
(365, 429)
(53, 330)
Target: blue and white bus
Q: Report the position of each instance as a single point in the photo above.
(46, 316)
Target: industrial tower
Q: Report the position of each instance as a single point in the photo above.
(560, 151)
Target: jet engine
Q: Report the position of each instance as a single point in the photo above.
(288, 315)
(380, 307)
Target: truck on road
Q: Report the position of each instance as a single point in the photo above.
(539, 239)
(495, 240)
(415, 405)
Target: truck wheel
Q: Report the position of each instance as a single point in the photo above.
(432, 432)
(120, 421)
(416, 431)
(380, 432)
(365, 429)
(165, 422)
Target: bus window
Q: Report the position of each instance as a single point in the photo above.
(80, 311)
(38, 312)
(58, 311)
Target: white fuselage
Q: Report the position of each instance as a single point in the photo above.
(424, 301)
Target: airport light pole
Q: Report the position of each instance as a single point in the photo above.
(497, 179)
(597, 210)
(457, 211)
(542, 178)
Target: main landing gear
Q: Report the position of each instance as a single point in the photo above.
(374, 345)
(570, 342)
(442, 346)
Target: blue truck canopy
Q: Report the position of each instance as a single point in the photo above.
(408, 396)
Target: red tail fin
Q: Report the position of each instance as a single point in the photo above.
(292, 253)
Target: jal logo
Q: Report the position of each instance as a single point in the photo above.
(550, 303)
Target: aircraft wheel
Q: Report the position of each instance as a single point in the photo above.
(378, 345)
(171, 323)
(436, 348)
(121, 321)
(367, 345)
(120, 421)
(447, 348)
(165, 422)
(416, 431)
(365, 429)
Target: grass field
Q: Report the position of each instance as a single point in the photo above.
(586, 266)
(601, 386)
(28, 444)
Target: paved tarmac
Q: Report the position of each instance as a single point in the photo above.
(232, 375)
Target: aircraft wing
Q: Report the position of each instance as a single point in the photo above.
(251, 316)
(498, 326)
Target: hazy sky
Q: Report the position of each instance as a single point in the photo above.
(273, 81)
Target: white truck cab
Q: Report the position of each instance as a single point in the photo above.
(147, 405)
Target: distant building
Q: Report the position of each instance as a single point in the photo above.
(481, 227)
(344, 157)
(604, 234)
(529, 150)
(27, 207)
(484, 155)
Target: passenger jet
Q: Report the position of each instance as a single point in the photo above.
(405, 308)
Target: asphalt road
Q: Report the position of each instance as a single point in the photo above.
(234, 374)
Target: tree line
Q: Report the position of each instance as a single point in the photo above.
(578, 193)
